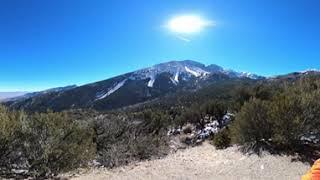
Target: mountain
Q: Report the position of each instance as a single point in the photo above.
(23, 96)
(8, 95)
(131, 88)
(295, 75)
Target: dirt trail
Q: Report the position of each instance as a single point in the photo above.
(203, 163)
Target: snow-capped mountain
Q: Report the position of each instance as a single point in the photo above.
(184, 69)
(132, 88)
(190, 68)
(310, 71)
(177, 69)
(295, 75)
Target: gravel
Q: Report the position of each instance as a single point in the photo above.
(202, 163)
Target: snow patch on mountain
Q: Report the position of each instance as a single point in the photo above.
(248, 75)
(173, 81)
(196, 74)
(111, 90)
(181, 70)
(151, 81)
(176, 77)
(309, 70)
(238, 74)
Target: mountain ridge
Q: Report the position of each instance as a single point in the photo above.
(8, 95)
(131, 88)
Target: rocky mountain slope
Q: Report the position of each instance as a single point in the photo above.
(131, 88)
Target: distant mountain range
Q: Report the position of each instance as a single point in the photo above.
(35, 94)
(132, 88)
(9, 95)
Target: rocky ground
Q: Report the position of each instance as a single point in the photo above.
(204, 162)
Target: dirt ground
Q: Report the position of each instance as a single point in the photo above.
(202, 163)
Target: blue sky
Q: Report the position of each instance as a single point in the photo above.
(46, 44)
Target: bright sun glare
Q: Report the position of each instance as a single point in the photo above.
(188, 24)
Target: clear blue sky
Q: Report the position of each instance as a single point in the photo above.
(49, 43)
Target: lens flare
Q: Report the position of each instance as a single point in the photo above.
(188, 24)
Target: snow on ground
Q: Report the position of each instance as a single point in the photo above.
(178, 69)
(202, 163)
(309, 70)
(176, 77)
(196, 74)
(174, 68)
(151, 82)
(173, 81)
(112, 90)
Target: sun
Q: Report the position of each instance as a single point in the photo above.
(188, 24)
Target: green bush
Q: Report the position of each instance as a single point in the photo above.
(222, 139)
(42, 144)
(252, 123)
(217, 109)
(286, 114)
(56, 143)
(11, 139)
(311, 112)
(120, 141)
(289, 115)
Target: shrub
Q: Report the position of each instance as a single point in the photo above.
(42, 144)
(286, 114)
(217, 109)
(191, 115)
(289, 117)
(11, 140)
(222, 139)
(56, 143)
(252, 123)
(120, 141)
(145, 147)
(311, 112)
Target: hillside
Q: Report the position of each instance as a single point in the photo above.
(131, 88)
(8, 95)
(279, 115)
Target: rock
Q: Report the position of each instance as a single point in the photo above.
(61, 178)
(188, 139)
(188, 129)
(174, 131)
(19, 171)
